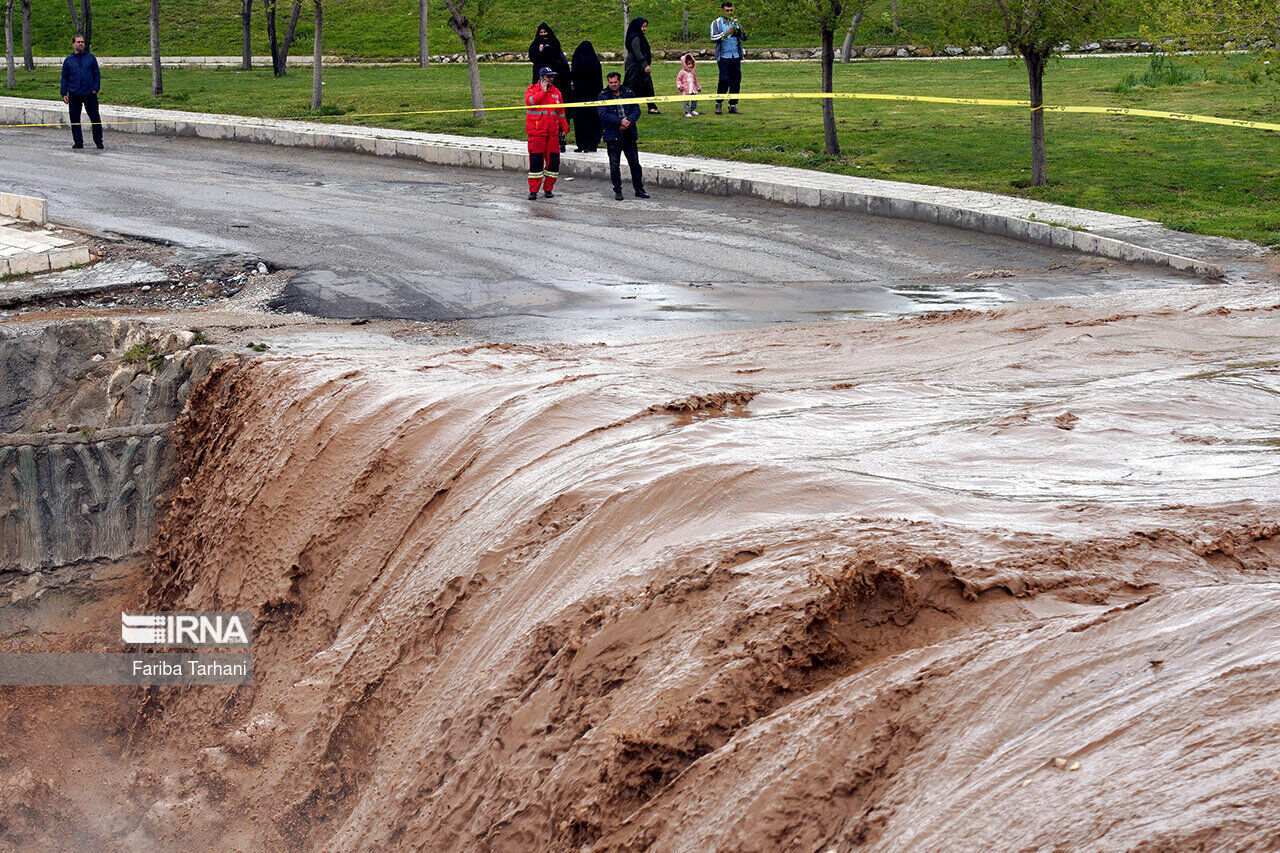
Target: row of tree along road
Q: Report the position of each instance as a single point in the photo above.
(1029, 29)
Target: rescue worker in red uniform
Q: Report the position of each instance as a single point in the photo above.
(544, 124)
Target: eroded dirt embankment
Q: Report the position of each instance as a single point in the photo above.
(998, 581)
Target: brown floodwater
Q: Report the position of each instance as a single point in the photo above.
(976, 581)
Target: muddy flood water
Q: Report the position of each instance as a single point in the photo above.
(998, 580)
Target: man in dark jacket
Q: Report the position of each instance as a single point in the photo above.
(620, 136)
(81, 81)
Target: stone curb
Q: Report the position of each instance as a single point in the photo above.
(38, 262)
(1085, 231)
(24, 207)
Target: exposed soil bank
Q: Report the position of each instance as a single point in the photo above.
(973, 582)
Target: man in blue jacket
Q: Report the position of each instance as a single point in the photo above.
(81, 80)
(620, 135)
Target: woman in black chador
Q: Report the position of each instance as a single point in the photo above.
(588, 83)
(545, 52)
(639, 59)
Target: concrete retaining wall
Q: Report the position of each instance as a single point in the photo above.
(1002, 216)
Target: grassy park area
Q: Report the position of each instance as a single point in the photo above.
(375, 29)
(1194, 177)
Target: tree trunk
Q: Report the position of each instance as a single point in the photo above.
(157, 84)
(246, 43)
(893, 10)
(424, 57)
(315, 59)
(1035, 62)
(828, 80)
(626, 21)
(10, 76)
(460, 25)
(83, 24)
(269, 7)
(290, 34)
(846, 49)
(28, 61)
(684, 14)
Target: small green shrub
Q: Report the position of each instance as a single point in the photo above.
(1162, 71)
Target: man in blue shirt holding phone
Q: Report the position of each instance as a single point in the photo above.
(727, 33)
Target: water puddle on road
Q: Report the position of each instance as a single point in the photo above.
(619, 310)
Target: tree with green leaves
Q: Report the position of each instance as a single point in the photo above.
(828, 17)
(1032, 29)
(1209, 25)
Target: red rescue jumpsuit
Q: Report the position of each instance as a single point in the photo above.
(544, 124)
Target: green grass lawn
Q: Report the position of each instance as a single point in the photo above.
(1200, 178)
(389, 28)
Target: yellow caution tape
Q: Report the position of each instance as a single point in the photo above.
(705, 96)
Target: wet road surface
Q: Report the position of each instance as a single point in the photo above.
(384, 238)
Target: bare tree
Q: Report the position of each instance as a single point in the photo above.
(269, 7)
(280, 49)
(28, 61)
(157, 84)
(290, 32)
(83, 23)
(246, 43)
(10, 77)
(846, 49)
(459, 23)
(424, 57)
(315, 58)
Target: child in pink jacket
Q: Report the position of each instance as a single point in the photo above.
(687, 83)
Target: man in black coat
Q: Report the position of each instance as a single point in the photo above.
(620, 135)
(81, 80)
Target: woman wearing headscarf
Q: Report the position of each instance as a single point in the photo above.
(545, 52)
(639, 59)
(588, 83)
